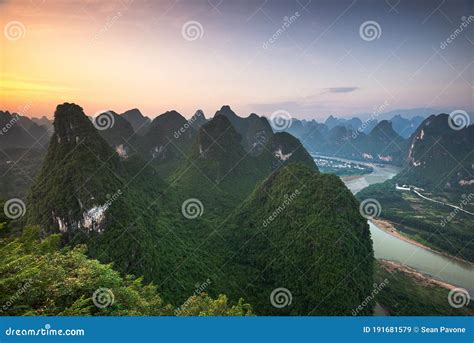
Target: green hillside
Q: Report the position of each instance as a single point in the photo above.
(129, 216)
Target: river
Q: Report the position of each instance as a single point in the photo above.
(388, 247)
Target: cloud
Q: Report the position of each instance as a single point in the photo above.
(14, 84)
(340, 89)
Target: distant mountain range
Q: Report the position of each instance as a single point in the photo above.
(140, 123)
(168, 140)
(339, 138)
(18, 131)
(402, 126)
(375, 139)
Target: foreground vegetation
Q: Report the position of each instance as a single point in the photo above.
(39, 278)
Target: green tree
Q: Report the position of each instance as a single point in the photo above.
(38, 278)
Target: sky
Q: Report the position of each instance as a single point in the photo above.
(309, 58)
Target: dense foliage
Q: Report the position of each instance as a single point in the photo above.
(324, 256)
(38, 278)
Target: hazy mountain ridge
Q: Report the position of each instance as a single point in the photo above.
(381, 144)
(138, 121)
(440, 156)
(17, 131)
(120, 135)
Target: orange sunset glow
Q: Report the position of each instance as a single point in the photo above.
(131, 53)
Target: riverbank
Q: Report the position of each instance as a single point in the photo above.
(408, 292)
(422, 279)
(396, 246)
(389, 228)
(351, 177)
